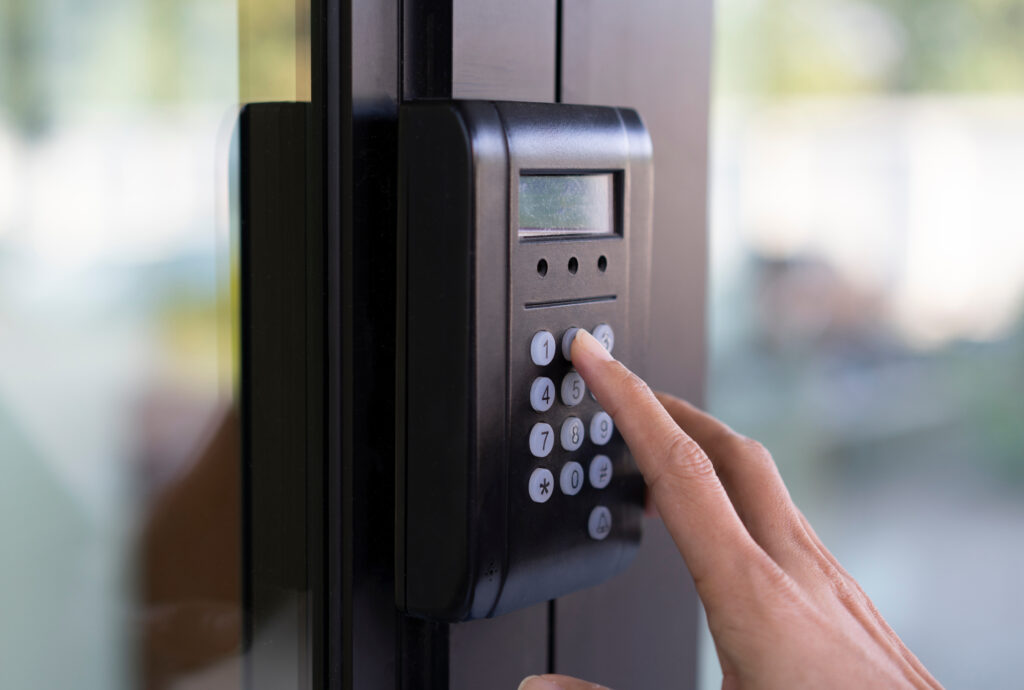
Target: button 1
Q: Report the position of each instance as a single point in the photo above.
(542, 439)
(600, 471)
(542, 394)
(599, 524)
(601, 427)
(542, 485)
(567, 343)
(572, 433)
(542, 348)
(570, 479)
(573, 389)
(605, 335)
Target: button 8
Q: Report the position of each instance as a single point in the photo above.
(572, 433)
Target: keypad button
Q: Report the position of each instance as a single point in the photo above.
(570, 479)
(605, 335)
(542, 439)
(600, 471)
(542, 485)
(601, 427)
(567, 343)
(573, 389)
(599, 524)
(542, 394)
(542, 348)
(572, 433)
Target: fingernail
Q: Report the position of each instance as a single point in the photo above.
(591, 346)
(538, 683)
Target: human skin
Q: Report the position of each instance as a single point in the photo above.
(781, 609)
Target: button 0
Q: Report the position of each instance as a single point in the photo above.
(600, 471)
(570, 479)
(573, 389)
(599, 524)
(572, 433)
(542, 348)
(567, 343)
(542, 485)
(605, 335)
(542, 394)
(601, 427)
(542, 439)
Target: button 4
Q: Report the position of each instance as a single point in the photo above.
(542, 394)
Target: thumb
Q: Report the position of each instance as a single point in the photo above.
(556, 682)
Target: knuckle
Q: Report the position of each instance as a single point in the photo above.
(681, 458)
(629, 386)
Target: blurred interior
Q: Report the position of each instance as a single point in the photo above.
(867, 230)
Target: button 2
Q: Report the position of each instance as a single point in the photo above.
(573, 389)
(605, 335)
(542, 485)
(599, 524)
(542, 348)
(601, 427)
(572, 433)
(567, 343)
(542, 439)
(542, 394)
(600, 471)
(570, 479)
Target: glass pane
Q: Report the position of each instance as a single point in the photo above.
(120, 506)
(868, 285)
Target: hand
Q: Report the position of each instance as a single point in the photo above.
(782, 611)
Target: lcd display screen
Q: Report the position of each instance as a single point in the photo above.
(566, 205)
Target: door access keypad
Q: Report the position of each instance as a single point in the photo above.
(583, 428)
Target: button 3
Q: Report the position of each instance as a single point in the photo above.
(605, 335)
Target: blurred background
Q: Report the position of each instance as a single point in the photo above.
(117, 353)
(867, 292)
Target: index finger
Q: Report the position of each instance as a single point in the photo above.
(679, 475)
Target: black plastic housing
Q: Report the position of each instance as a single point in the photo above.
(470, 543)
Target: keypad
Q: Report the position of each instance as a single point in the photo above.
(568, 431)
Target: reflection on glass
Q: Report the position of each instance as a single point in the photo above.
(120, 506)
(868, 294)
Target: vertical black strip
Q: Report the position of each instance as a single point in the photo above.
(551, 636)
(558, 51)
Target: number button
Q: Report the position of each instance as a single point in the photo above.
(542, 439)
(601, 427)
(542, 485)
(605, 335)
(542, 394)
(572, 433)
(542, 348)
(567, 338)
(600, 471)
(573, 389)
(599, 524)
(571, 478)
